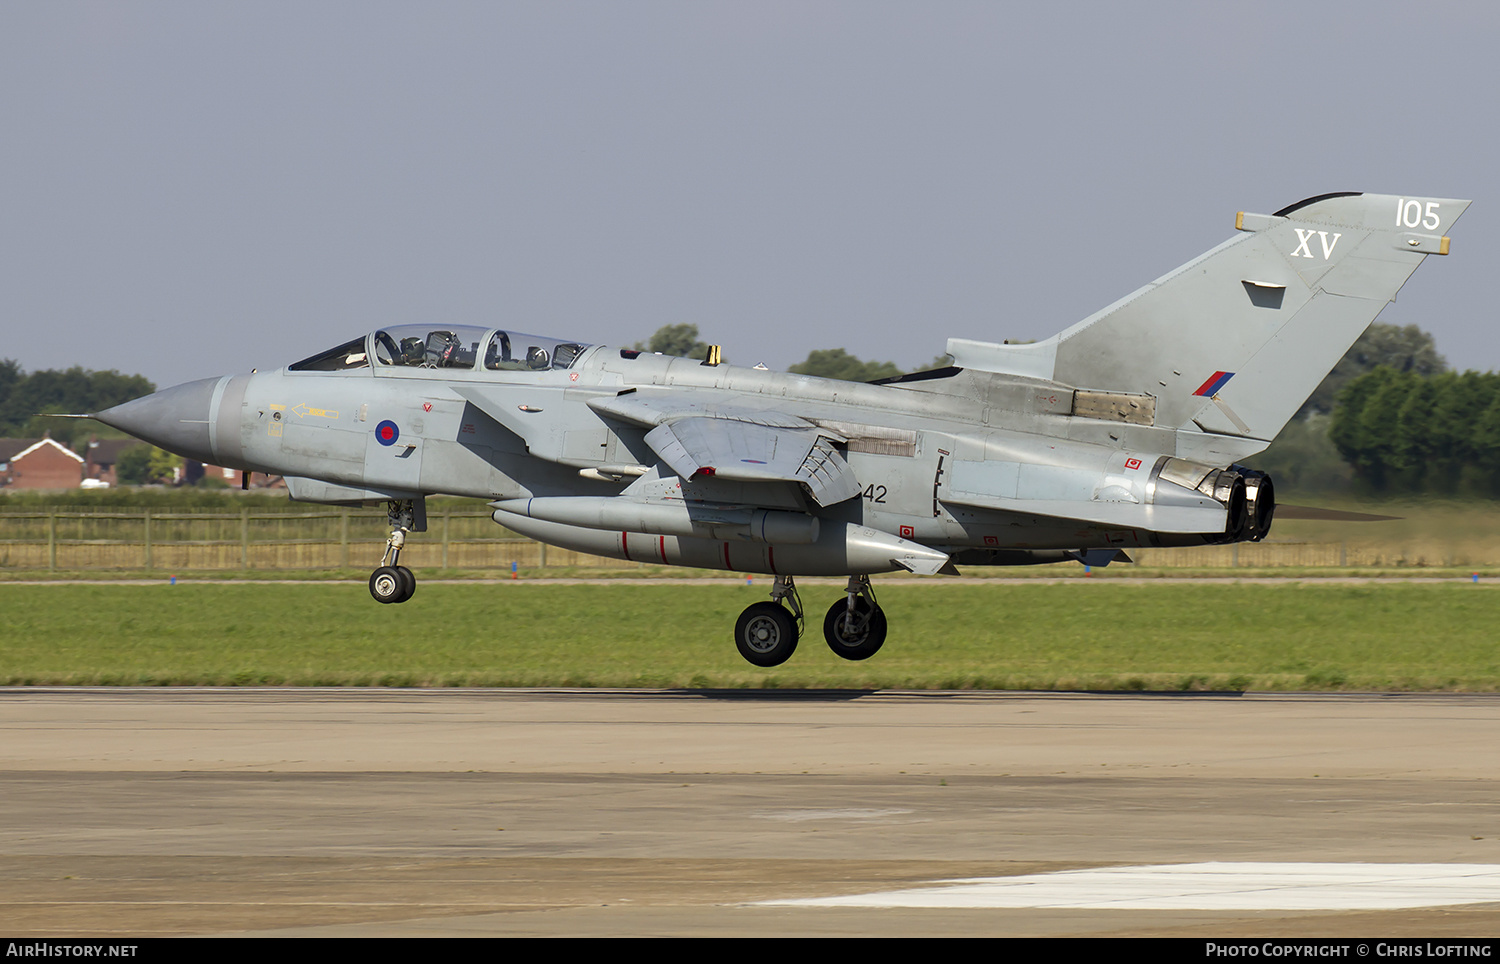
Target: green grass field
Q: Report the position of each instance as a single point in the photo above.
(1079, 635)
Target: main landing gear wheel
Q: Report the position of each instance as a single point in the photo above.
(858, 634)
(855, 625)
(408, 583)
(766, 634)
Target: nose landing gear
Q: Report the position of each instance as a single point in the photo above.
(392, 582)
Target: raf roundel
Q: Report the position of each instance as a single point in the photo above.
(386, 432)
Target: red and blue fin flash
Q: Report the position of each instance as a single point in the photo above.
(1215, 382)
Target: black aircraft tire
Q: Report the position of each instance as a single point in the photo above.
(408, 583)
(766, 634)
(386, 585)
(863, 645)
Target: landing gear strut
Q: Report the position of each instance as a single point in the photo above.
(766, 633)
(855, 625)
(392, 582)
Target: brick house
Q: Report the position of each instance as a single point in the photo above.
(39, 463)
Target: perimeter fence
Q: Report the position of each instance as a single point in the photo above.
(264, 539)
(75, 538)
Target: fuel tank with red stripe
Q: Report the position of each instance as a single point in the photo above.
(840, 548)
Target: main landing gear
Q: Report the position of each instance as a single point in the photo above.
(855, 625)
(766, 632)
(392, 582)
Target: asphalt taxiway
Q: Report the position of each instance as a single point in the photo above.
(130, 812)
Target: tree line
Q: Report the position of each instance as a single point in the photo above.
(1404, 433)
(682, 341)
(26, 397)
(1391, 417)
(23, 397)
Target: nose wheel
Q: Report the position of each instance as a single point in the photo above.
(392, 582)
(766, 632)
(855, 625)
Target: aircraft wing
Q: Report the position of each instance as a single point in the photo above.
(649, 409)
(735, 443)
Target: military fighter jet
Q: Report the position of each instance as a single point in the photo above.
(1126, 429)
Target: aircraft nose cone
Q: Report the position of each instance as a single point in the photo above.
(175, 419)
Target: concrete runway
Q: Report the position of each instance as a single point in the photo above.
(134, 812)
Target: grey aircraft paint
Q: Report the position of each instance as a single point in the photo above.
(1124, 430)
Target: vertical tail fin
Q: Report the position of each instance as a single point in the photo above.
(1237, 339)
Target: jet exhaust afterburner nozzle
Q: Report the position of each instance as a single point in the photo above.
(1260, 495)
(1249, 497)
(1227, 487)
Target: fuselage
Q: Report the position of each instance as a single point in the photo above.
(368, 432)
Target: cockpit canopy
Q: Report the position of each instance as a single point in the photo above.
(447, 346)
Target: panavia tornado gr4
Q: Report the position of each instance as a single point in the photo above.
(1127, 429)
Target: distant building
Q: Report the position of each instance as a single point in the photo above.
(194, 472)
(100, 456)
(45, 463)
(39, 463)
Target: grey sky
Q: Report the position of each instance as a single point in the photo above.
(197, 188)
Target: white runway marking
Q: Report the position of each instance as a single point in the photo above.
(1208, 886)
(798, 816)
